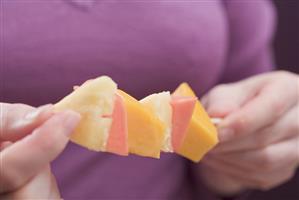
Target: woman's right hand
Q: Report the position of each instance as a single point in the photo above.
(30, 139)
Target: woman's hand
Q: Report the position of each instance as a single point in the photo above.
(259, 134)
(30, 139)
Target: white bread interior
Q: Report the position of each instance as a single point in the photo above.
(93, 100)
(160, 105)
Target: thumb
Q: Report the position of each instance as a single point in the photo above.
(227, 98)
(42, 186)
(224, 99)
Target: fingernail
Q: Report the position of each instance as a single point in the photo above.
(225, 134)
(70, 121)
(38, 111)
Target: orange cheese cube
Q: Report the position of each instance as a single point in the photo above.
(201, 134)
(145, 130)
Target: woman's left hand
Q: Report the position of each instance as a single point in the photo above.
(259, 134)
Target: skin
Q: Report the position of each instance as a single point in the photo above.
(259, 137)
(259, 133)
(30, 139)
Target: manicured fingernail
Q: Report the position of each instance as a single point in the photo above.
(38, 111)
(70, 121)
(225, 134)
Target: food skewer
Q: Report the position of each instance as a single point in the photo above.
(216, 120)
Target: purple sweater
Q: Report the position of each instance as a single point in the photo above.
(145, 46)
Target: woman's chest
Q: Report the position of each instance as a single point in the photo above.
(145, 47)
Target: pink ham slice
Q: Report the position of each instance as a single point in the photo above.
(118, 135)
(182, 109)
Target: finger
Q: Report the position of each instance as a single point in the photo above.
(264, 109)
(28, 156)
(5, 145)
(276, 178)
(286, 127)
(270, 158)
(226, 98)
(18, 120)
(266, 181)
(41, 186)
(204, 101)
(253, 179)
(220, 182)
(228, 170)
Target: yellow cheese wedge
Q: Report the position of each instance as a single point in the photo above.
(93, 100)
(159, 104)
(145, 130)
(201, 134)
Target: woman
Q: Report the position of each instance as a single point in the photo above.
(48, 47)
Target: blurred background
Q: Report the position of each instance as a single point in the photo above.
(287, 36)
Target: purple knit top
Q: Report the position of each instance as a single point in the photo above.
(146, 47)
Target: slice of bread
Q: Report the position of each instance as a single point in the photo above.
(160, 105)
(94, 101)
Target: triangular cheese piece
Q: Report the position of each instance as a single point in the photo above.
(145, 130)
(201, 134)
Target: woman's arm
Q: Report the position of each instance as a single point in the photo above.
(251, 25)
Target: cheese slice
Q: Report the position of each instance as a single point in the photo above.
(160, 105)
(201, 134)
(145, 130)
(93, 101)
